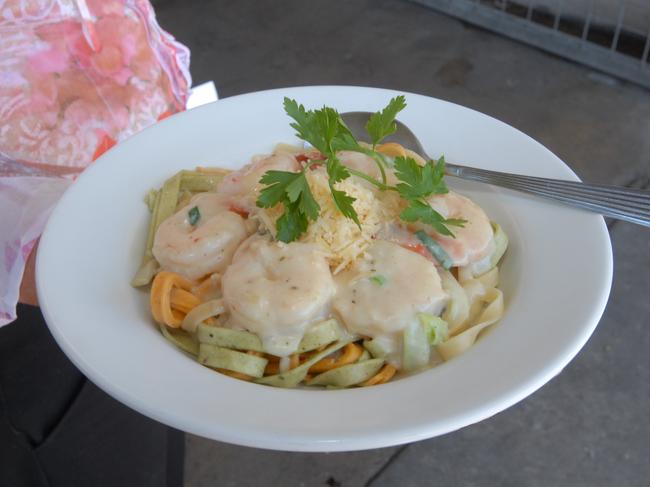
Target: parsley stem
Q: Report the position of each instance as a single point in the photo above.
(380, 164)
(371, 180)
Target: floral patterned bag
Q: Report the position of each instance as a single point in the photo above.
(76, 77)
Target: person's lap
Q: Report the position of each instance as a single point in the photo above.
(59, 429)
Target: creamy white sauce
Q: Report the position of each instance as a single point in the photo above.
(285, 363)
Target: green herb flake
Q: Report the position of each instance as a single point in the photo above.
(435, 249)
(378, 279)
(194, 215)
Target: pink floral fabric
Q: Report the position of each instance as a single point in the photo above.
(76, 77)
(25, 205)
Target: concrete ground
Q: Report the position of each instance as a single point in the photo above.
(587, 427)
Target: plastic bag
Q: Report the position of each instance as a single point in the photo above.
(76, 77)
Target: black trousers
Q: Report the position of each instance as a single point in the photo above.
(57, 429)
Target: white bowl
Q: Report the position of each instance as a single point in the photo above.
(556, 277)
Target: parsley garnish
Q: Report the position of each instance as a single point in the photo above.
(419, 182)
(290, 189)
(378, 279)
(338, 172)
(325, 131)
(382, 124)
(194, 215)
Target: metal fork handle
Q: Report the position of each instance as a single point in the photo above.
(627, 204)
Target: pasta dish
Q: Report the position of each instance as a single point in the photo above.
(337, 264)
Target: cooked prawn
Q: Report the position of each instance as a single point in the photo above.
(205, 247)
(472, 242)
(240, 189)
(277, 290)
(383, 293)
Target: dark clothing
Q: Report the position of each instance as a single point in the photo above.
(57, 429)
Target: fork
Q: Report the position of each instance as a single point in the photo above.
(632, 205)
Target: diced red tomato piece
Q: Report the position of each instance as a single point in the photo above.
(240, 211)
(302, 158)
(418, 248)
(310, 156)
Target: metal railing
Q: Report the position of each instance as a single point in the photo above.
(612, 36)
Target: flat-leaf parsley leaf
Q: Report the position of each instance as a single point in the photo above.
(382, 124)
(292, 190)
(420, 181)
